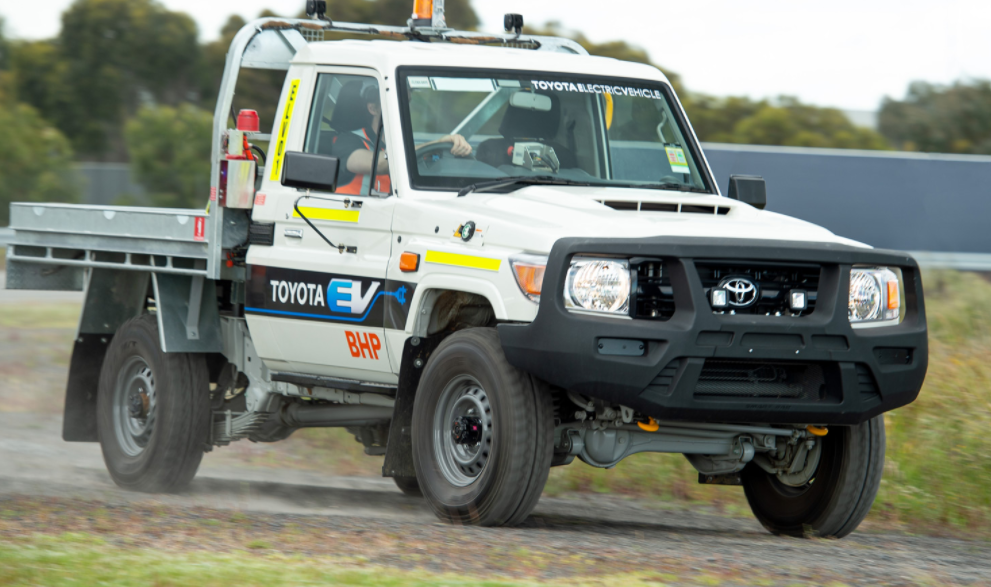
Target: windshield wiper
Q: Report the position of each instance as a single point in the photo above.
(670, 185)
(523, 180)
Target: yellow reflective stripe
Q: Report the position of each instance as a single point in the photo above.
(280, 145)
(459, 260)
(328, 214)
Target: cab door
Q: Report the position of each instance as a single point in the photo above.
(310, 307)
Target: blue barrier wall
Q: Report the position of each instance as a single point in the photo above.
(904, 201)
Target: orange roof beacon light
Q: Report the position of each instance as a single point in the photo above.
(428, 13)
(423, 9)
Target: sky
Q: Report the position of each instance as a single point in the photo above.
(843, 53)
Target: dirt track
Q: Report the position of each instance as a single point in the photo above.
(369, 517)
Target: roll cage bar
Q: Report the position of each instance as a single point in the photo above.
(271, 43)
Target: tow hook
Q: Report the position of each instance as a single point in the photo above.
(650, 426)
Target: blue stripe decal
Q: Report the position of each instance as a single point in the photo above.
(399, 294)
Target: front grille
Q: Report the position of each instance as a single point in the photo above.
(773, 280)
(764, 379)
(654, 298)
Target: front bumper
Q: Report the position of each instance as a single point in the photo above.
(840, 375)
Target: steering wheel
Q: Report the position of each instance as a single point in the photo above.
(435, 152)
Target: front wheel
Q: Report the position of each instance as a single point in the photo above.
(153, 410)
(839, 495)
(482, 433)
(409, 486)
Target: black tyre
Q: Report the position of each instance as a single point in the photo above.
(482, 433)
(409, 486)
(153, 410)
(839, 495)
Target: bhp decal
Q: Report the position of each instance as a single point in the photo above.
(363, 343)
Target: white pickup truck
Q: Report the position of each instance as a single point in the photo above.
(381, 267)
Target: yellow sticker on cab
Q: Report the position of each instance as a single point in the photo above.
(283, 136)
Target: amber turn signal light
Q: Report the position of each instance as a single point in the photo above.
(893, 301)
(529, 276)
(409, 262)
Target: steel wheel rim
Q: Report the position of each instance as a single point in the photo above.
(134, 431)
(461, 463)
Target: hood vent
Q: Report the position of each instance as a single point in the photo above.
(665, 207)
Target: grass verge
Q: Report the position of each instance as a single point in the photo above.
(72, 559)
(937, 473)
(39, 315)
(57, 561)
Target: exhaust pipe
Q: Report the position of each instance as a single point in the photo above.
(333, 416)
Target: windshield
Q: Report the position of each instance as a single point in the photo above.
(465, 127)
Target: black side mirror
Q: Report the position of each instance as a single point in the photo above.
(310, 172)
(749, 189)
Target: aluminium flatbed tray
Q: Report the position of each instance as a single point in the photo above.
(162, 240)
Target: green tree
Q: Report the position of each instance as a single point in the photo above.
(954, 119)
(784, 121)
(110, 57)
(36, 157)
(170, 154)
(4, 47)
(256, 89)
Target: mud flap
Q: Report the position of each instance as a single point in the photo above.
(188, 319)
(112, 298)
(399, 451)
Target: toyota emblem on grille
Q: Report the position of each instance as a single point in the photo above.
(742, 292)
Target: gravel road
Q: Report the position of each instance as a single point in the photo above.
(364, 516)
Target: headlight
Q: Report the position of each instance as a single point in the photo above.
(598, 285)
(874, 295)
(529, 273)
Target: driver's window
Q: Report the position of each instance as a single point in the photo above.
(345, 122)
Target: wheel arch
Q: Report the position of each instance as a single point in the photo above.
(442, 299)
(112, 297)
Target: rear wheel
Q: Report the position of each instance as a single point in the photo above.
(482, 433)
(839, 495)
(153, 410)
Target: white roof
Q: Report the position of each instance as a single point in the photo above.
(386, 56)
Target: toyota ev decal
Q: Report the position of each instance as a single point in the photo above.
(311, 295)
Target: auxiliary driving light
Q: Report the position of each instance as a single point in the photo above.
(718, 298)
(798, 300)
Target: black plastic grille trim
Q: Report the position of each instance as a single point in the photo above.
(661, 384)
(261, 234)
(866, 384)
(774, 280)
(654, 296)
(763, 379)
